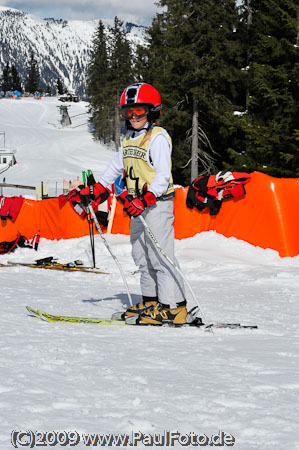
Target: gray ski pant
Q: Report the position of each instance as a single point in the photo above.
(157, 276)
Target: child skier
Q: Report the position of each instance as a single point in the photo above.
(145, 159)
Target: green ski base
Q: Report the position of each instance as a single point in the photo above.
(87, 320)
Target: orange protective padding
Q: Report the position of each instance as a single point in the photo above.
(47, 218)
(121, 222)
(268, 216)
(60, 223)
(25, 222)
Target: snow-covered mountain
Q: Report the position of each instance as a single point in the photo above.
(62, 48)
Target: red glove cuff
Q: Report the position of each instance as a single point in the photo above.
(123, 197)
(148, 199)
(137, 205)
(95, 190)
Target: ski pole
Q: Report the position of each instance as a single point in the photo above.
(90, 224)
(158, 247)
(110, 251)
(91, 230)
(91, 235)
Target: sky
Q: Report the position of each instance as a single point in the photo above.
(137, 11)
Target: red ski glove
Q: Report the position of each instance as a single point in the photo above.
(90, 193)
(138, 204)
(125, 199)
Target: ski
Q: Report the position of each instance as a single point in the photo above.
(232, 326)
(73, 319)
(104, 321)
(56, 266)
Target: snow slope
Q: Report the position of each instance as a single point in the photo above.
(100, 379)
(46, 151)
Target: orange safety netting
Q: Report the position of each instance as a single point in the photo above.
(268, 217)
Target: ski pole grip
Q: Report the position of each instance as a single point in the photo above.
(91, 180)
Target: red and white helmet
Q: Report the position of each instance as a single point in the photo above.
(141, 93)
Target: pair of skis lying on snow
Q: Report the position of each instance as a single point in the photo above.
(52, 264)
(114, 322)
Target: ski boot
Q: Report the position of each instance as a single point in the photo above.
(138, 308)
(160, 315)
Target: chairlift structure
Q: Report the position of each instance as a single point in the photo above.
(7, 155)
(65, 118)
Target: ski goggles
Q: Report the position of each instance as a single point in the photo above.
(135, 111)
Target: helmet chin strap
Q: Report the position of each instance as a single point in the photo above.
(146, 126)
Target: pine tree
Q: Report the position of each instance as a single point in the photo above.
(16, 81)
(48, 90)
(60, 87)
(7, 82)
(32, 76)
(120, 74)
(194, 56)
(151, 58)
(97, 88)
(270, 123)
(110, 71)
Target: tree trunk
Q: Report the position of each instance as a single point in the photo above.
(249, 13)
(194, 149)
(249, 23)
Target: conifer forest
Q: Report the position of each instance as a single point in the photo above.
(228, 75)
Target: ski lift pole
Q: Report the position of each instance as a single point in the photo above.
(158, 247)
(110, 251)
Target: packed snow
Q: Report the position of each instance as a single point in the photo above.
(147, 381)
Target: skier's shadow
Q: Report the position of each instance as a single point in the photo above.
(122, 297)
